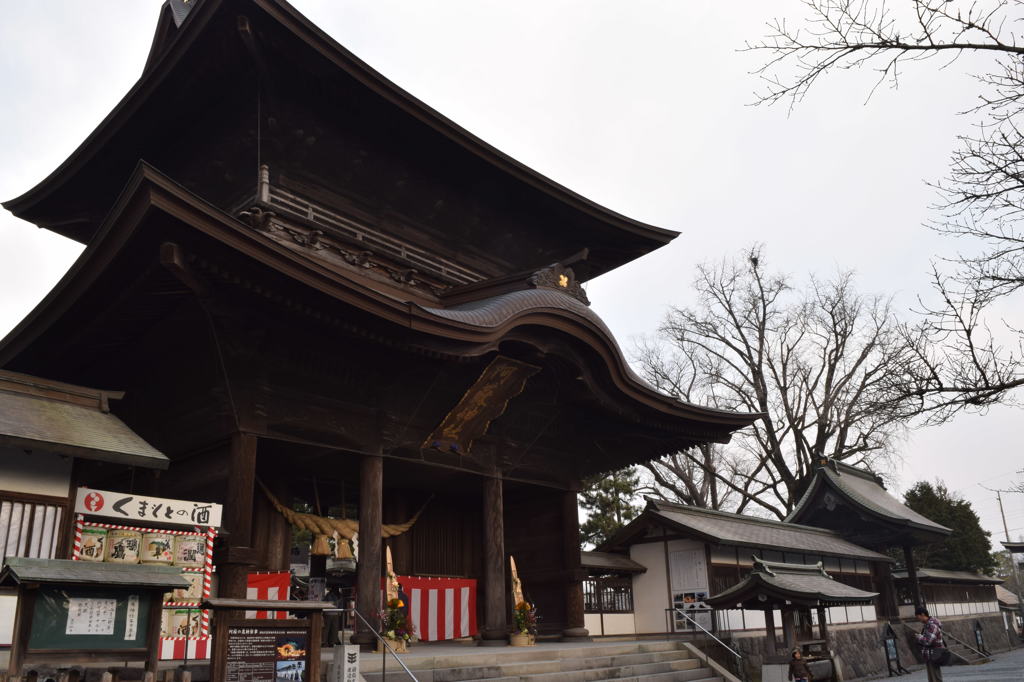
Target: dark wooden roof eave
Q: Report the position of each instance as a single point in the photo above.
(148, 190)
(800, 511)
(753, 587)
(165, 56)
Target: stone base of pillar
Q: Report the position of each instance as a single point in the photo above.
(493, 638)
(576, 635)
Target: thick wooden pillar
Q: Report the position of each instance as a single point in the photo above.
(788, 629)
(368, 571)
(823, 628)
(495, 630)
(885, 604)
(575, 630)
(238, 557)
(915, 586)
(769, 626)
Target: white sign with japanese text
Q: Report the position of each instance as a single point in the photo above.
(130, 509)
(131, 621)
(87, 616)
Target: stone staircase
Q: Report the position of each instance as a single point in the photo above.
(593, 662)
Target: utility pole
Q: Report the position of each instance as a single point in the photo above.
(1013, 564)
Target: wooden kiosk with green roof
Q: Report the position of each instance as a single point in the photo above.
(76, 611)
(794, 589)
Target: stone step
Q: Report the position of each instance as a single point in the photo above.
(680, 660)
(681, 670)
(419, 657)
(640, 661)
(707, 676)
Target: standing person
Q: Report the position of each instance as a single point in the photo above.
(931, 643)
(798, 670)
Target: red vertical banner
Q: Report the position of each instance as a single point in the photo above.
(441, 608)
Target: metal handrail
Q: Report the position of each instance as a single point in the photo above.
(946, 635)
(383, 640)
(740, 663)
(964, 644)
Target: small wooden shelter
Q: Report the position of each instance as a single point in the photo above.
(794, 589)
(84, 611)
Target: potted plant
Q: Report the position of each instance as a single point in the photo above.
(395, 627)
(525, 631)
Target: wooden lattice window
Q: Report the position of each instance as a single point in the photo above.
(32, 525)
(608, 595)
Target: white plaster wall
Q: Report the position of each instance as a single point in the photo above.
(592, 622)
(619, 624)
(36, 473)
(650, 589)
(7, 606)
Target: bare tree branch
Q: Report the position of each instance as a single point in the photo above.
(959, 362)
(815, 363)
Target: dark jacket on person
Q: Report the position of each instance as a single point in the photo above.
(798, 669)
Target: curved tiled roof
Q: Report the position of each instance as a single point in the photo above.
(864, 490)
(504, 309)
(790, 582)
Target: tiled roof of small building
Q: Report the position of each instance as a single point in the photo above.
(773, 582)
(749, 531)
(607, 561)
(944, 576)
(40, 414)
(865, 490)
(24, 570)
(1006, 597)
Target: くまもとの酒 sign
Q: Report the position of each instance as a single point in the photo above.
(131, 508)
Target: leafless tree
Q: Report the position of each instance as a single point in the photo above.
(817, 363)
(962, 363)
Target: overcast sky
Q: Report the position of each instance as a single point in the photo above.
(642, 106)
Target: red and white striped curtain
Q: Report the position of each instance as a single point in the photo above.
(268, 586)
(441, 608)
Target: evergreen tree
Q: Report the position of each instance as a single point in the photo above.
(968, 547)
(609, 503)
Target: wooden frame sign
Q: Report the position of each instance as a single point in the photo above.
(83, 611)
(266, 650)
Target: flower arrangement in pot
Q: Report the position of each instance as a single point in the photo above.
(395, 626)
(525, 619)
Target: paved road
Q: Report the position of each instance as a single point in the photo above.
(1003, 667)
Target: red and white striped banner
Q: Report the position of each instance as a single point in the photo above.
(441, 608)
(268, 586)
(174, 648)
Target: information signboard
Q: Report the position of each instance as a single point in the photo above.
(77, 617)
(259, 653)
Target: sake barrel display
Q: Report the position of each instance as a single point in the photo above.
(123, 546)
(189, 550)
(158, 548)
(182, 622)
(94, 543)
(194, 592)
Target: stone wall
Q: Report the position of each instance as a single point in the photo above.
(858, 646)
